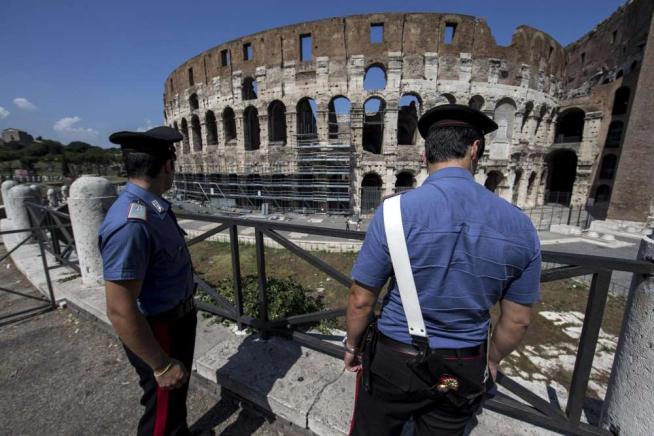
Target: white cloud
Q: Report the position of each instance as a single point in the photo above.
(4, 113)
(24, 104)
(68, 126)
(148, 126)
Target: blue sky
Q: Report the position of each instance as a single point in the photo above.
(81, 69)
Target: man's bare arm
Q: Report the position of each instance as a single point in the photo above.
(509, 332)
(360, 305)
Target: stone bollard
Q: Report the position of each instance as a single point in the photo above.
(16, 208)
(4, 189)
(90, 199)
(629, 398)
(52, 197)
(64, 193)
(37, 190)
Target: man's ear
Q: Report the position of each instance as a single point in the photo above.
(474, 149)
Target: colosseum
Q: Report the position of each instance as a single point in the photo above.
(321, 116)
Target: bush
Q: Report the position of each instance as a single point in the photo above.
(285, 297)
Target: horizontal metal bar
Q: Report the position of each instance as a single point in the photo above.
(311, 342)
(536, 401)
(313, 260)
(32, 297)
(219, 299)
(206, 235)
(24, 314)
(565, 272)
(7, 254)
(515, 409)
(315, 316)
(31, 229)
(598, 262)
(215, 310)
(284, 227)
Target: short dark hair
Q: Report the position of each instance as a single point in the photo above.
(142, 165)
(447, 143)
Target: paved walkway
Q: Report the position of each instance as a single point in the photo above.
(62, 373)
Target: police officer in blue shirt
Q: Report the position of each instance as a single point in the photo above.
(149, 280)
(468, 250)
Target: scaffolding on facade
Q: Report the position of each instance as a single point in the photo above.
(320, 180)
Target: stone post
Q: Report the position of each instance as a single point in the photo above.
(89, 201)
(52, 197)
(629, 399)
(4, 189)
(64, 193)
(16, 209)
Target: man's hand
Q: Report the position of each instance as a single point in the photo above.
(174, 377)
(352, 362)
(492, 367)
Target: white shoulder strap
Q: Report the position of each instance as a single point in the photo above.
(402, 266)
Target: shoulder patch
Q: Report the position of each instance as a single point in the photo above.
(136, 211)
(157, 206)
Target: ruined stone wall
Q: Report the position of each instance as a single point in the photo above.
(520, 85)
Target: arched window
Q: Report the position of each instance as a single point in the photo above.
(445, 99)
(249, 89)
(516, 186)
(404, 181)
(193, 102)
(530, 183)
(407, 119)
(229, 124)
(374, 78)
(493, 180)
(529, 107)
(277, 122)
(373, 124)
(251, 128)
(607, 169)
(340, 130)
(621, 101)
(476, 102)
(570, 126)
(186, 149)
(504, 116)
(541, 117)
(614, 135)
(307, 112)
(561, 176)
(212, 128)
(602, 194)
(197, 133)
(371, 191)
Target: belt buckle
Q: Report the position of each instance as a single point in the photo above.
(447, 383)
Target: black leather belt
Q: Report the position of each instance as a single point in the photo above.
(177, 312)
(401, 347)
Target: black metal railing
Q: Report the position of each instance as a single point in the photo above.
(532, 408)
(544, 216)
(55, 230)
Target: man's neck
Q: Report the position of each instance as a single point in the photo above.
(458, 163)
(149, 185)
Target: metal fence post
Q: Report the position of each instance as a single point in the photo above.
(629, 399)
(236, 274)
(263, 292)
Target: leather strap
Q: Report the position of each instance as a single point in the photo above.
(402, 266)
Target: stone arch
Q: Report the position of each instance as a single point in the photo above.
(212, 128)
(541, 116)
(404, 180)
(516, 186)
(193, 102)
(621, 101)
(476, 102)
(607, 167)
(614, 134)
(493, 180)
(306, 114)
(570, 126)
(407, 118)
(371, 192)
(373, 124)
(561, 175)
(602, 194)
(504, 116)
(249, 89)
(196, 131)
(529, 108)
(229, 124)
(374, 77)
(445, 98)
(186, 148)
(339, 118)
(251, 131)
(277, 122)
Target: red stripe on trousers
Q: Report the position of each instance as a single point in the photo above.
(356, 397)
(160, 332)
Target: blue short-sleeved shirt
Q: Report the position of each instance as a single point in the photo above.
(141, 240)
(468, 249)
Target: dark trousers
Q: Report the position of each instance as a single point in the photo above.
(398, 395)
(165, 410)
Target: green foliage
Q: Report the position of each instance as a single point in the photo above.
(286, 297)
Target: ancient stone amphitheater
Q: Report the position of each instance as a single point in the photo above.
(321, 116)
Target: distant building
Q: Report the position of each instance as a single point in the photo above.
(17, 135)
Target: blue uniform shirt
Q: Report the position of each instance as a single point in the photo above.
(141, 240)
(468, 249)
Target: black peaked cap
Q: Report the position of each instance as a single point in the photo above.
(156, 140)
(452, 115)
